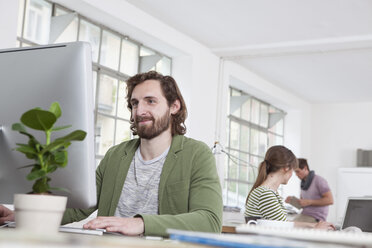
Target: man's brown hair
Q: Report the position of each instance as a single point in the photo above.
(302, 163)
(170, 91)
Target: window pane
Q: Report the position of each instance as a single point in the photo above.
(224, 193)
(146, 52)
(255, 163)
(90, 33)
(244, 138)
(254, 141)
(280, 127)
(234, 105)
(110, 50)
(263, 144)
(104, 133)
(37, 23)
(242, 194)
(275, 140)
(264, 115)
(122, 131)
(231, 194)
(94, 77)
(107, 95)
(234, 135)
(255, 112)
(243, 168)
(233, 170)
(97, 162)
(123, 111)
(129, 58)
(246, 110)
(164, 66)
(21, 8)
(70, 33)
(227, 164)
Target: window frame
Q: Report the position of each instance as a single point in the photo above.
(231, 197)
(98, 68)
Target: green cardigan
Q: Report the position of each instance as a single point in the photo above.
(189, 188)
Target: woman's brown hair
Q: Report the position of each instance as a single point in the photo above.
(276, 157)
(170, 91)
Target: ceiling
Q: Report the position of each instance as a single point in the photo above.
(320, 50)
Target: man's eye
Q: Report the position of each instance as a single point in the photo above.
(134, 104)
(151, 101)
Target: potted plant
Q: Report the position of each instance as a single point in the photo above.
(40, 206)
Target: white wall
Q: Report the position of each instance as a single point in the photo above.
(338, 130)
(8, 23)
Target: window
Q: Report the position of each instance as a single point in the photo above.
(252, 127)
(115, 58)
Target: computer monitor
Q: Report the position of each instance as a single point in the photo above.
(35, 77)
(358, 213)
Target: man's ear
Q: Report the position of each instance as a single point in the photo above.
(175, 107)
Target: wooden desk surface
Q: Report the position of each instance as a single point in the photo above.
(228, 229)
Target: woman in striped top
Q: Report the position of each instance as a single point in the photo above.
(263, 200)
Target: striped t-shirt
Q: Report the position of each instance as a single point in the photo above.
(265, 203)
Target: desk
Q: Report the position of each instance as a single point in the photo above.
(228, 229)
(15, 239)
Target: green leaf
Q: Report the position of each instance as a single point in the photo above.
(75, 135)
(19, 127)
(60, 158)
(36, 168)
(41, 185)
(35, 174)
(26, 150)
(52, 168)
(55, 109)
(31, 156)
(39, 119)
(60, 128)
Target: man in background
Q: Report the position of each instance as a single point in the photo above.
(157, 181)
(316, 195)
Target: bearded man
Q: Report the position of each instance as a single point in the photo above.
(157, 181)
(161, 180)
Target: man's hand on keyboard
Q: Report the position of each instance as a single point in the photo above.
(5, 214)
(126, 226)
(325, 225)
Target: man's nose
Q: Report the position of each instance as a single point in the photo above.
(141, 108)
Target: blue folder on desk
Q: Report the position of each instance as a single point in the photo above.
(230, 240)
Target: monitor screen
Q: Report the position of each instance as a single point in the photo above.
(35, 77)
(358, 213)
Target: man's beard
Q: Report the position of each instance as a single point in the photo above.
(156, 128)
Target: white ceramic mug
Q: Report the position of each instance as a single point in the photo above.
(272, 223)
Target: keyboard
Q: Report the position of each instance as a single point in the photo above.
(309, 234)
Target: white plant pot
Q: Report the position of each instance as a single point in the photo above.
(39, 213)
